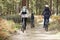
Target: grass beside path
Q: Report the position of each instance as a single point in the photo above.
(7, 27)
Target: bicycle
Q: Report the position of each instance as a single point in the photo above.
(23, 25)
(46, 25)
(32, 24)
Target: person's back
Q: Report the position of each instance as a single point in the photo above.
(32, 20)
(46, 12)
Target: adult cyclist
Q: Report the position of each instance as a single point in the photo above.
(24, 14)
(46, 13)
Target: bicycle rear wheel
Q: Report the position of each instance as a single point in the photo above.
(23, 25)
(46, 25)
(46, 28)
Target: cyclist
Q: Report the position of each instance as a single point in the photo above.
(24, 14)
(46, 13)
(32, 20)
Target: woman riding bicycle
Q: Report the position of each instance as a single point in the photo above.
(24, 14)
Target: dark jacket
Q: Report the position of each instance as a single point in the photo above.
(46, 13)
(32, 16)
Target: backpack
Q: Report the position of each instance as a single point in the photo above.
(46, 13)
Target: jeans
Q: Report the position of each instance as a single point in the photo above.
(25, 20)
(45, 20)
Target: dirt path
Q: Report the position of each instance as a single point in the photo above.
(37, 33)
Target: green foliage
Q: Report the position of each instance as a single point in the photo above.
(17, 26)
(15, 18)
(8, 6)
(38, 5)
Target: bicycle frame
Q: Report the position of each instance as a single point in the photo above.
(23, 25)
(46, 25)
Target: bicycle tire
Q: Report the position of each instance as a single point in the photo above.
(23, 26)
(46, 25)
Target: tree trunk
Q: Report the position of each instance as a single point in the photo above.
(39, 7)
(51, 5)
(27, 4)
(23, 2)
(36, 7)
(57, 7)
(17, 8)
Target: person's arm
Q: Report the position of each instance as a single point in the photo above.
(50, 12)
(20, 12)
